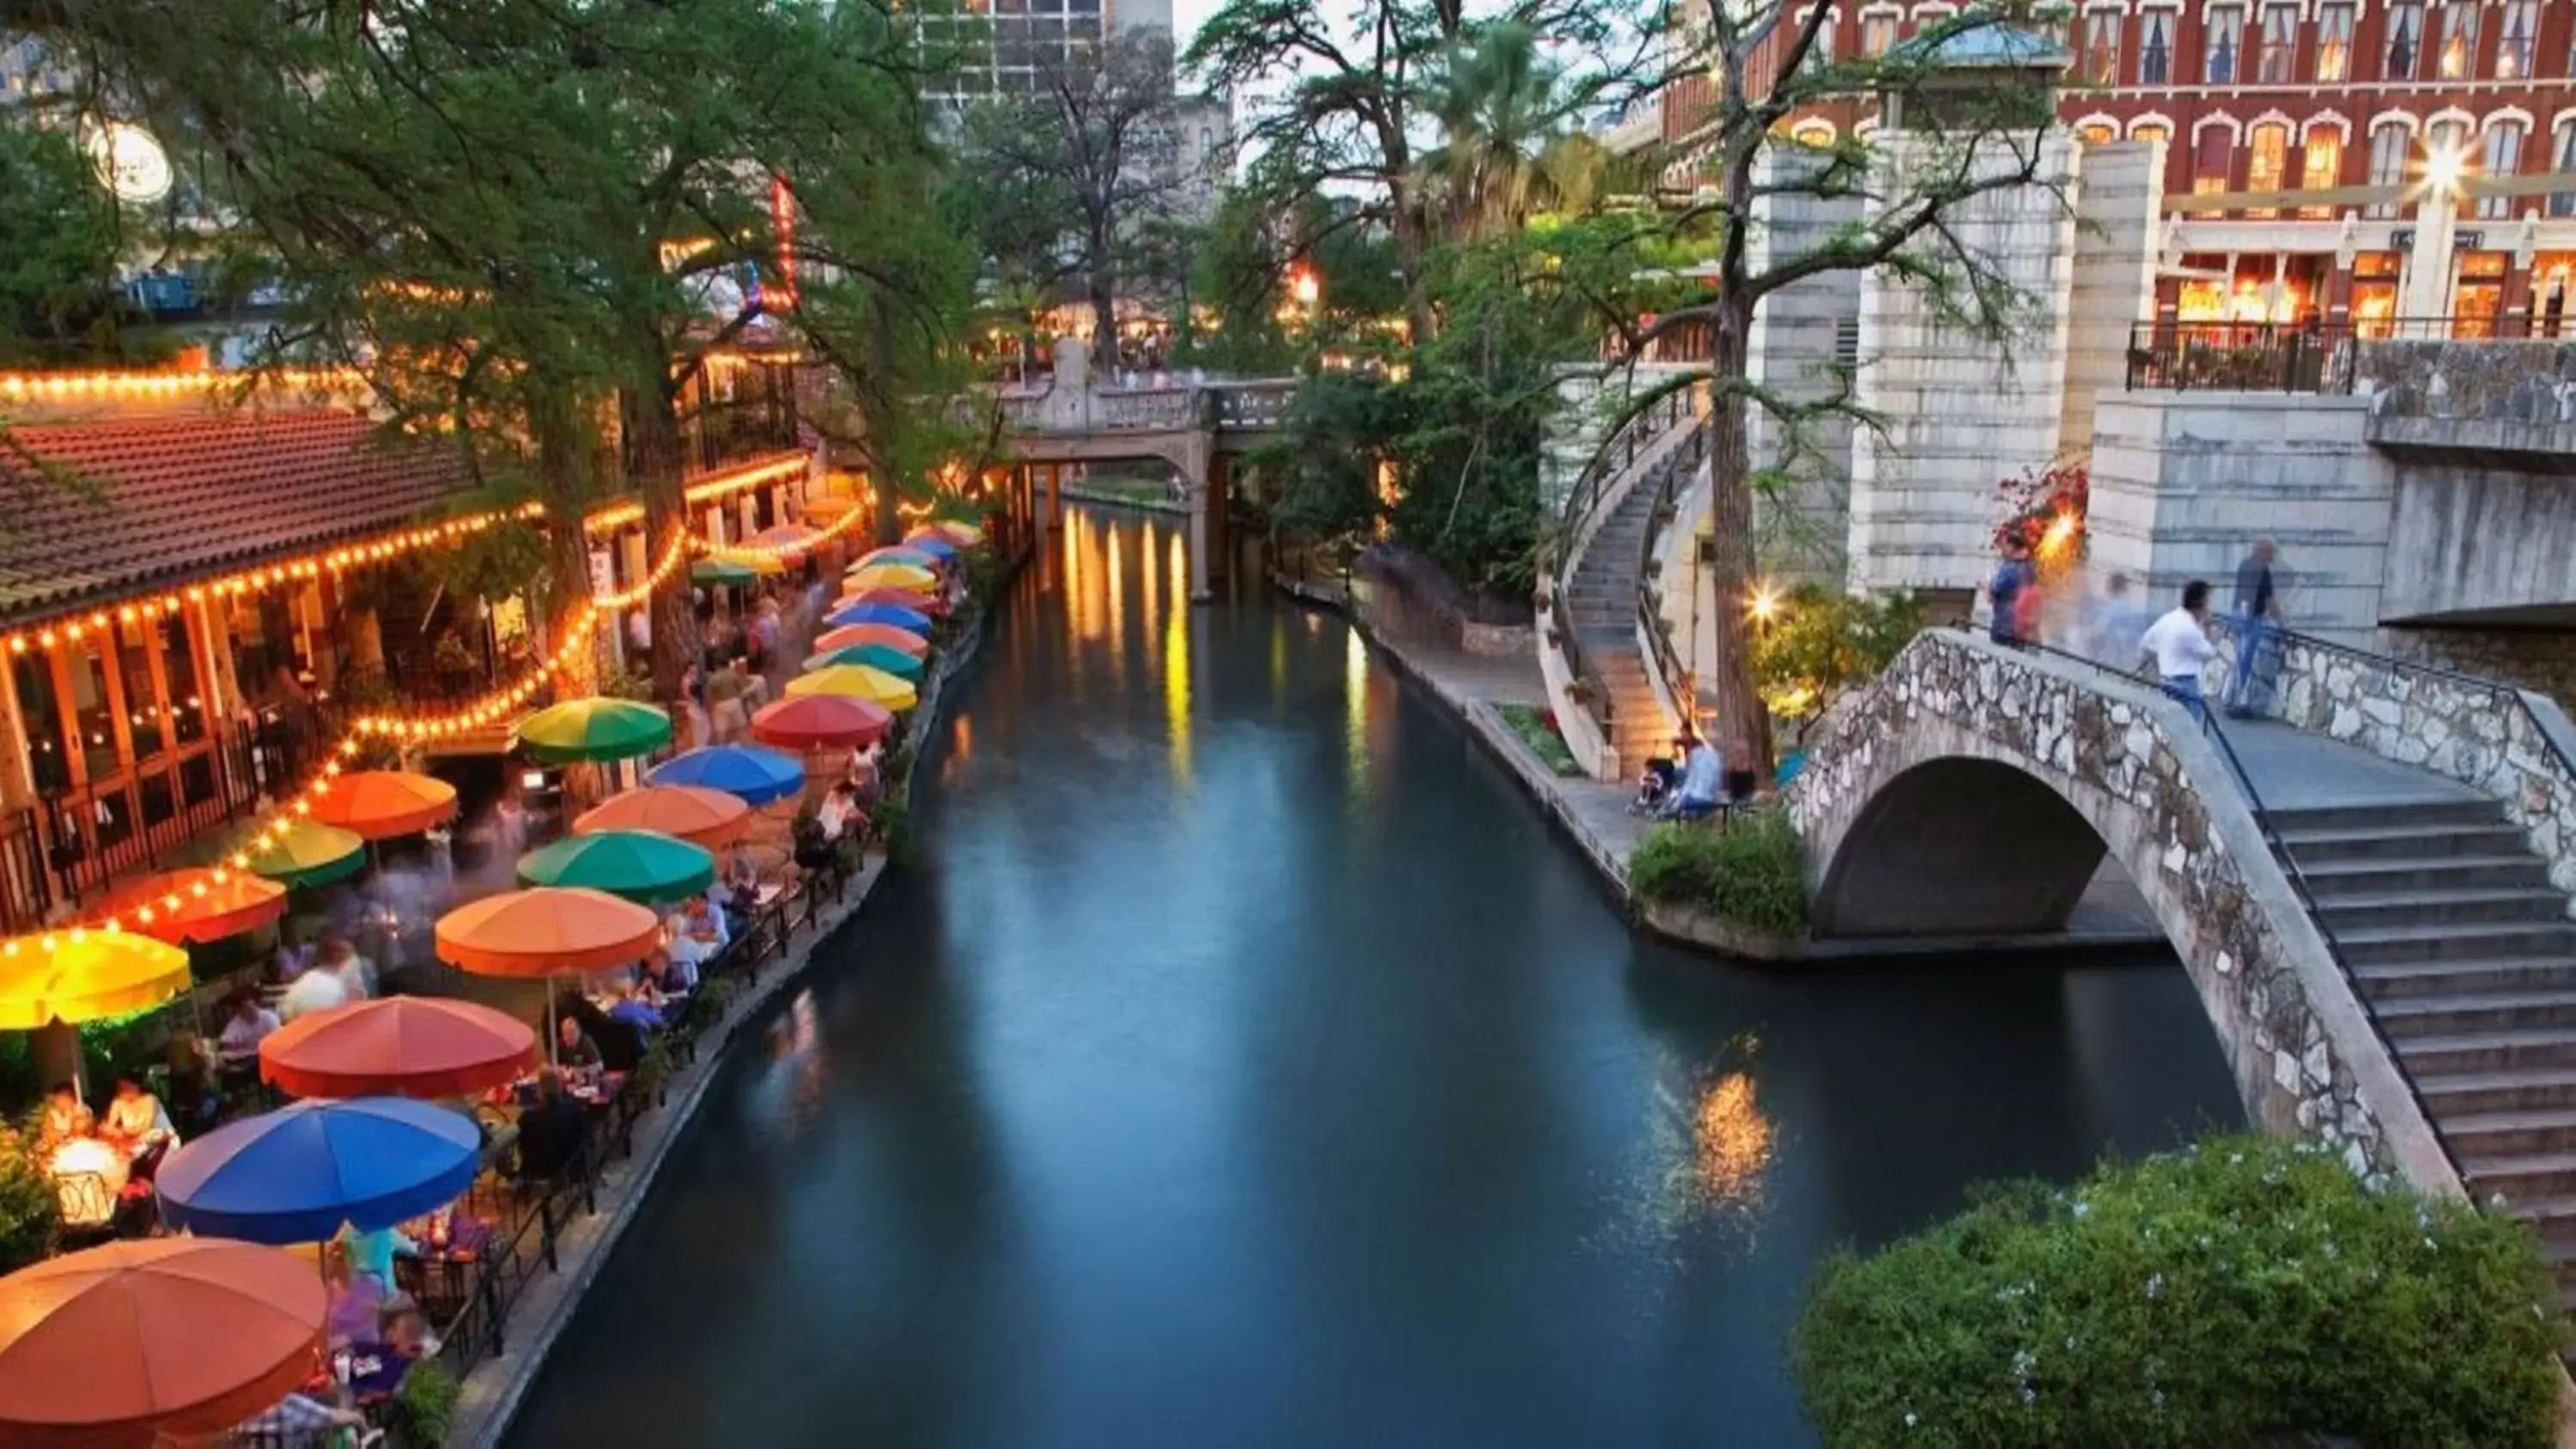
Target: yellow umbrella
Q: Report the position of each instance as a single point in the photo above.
(856, 681)
(76, 976)
(891, 576)
(757, 562)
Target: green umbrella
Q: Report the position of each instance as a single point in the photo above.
(644, 866)
(598, 728)
(720, 571)
(876, 656)
(305, 853)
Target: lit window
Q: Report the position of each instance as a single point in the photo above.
(2095, 133)
(2513, 42)
(2280, 53)
(2562, 146)
(2267, 160)
(1877, 33)
(2503, 158)
(2334, 42)
(2320, 166)
(2102, 47)
(1813, 133)
(2459, 39)
(2213, 150)
(2155, 49)
(2389, 145)
(2223, 44)
(2149, 131)
(2405, 34)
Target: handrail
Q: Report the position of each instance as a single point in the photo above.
(2281, 853)
(2511, 694)
(1590, 486)
(1678, 468)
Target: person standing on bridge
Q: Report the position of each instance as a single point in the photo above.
(2015, 596)
(2180, 643)
(2258, 613)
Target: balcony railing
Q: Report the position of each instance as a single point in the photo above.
(721, 435)
(2313, 357)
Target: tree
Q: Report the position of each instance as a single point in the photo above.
(1907, 189)
(59, 235)
(1815, 643)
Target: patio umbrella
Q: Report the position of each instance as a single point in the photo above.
(931, 542)
(821, 722)
(643, 866)
(130, 1343)
(597, 728)
(382, 804)
(76, 976)
(722, 572)
(875, 656)
(903, 554)
(301, 1173)
(196, 903)
(826, 507)
(855, 681)
(746, 772)
(890, 576)
(546, 930)
(399, 1046)
(307, 853)
(694, 814)
(964, 535)
(902, 640)
(759, 561)
(896, 599)
(901, 618)
(787, 535)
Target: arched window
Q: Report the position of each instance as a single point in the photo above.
(2503, 158)
(2155, 48)
(2267, 161)
(2321, 166)
(2213, 152)
(2390, 143)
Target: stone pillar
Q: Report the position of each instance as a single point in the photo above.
(2427, 296)
(17, 778)
(1196, 465)
(2114, 288)
(1219, 557)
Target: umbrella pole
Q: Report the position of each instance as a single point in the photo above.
(553, 1031)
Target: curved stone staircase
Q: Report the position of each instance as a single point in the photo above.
(1601, 580)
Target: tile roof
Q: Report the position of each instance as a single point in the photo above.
(153, 500)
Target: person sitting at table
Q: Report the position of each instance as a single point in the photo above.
(137, 1125)
(341, 959)
(247, 1026)
(835, 812)
(298, 1420)
(626, 1005)
(407, 1334)
(574, 1050)
(687, 947)
(294, 954)
(67, 1118)
(551, 1133)
(355, 1302)
(371, 1253)
(315, 990)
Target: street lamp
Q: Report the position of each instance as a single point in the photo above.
(1304, 286)
(1764, 603)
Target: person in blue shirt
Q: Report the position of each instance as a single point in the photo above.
(1703, 777)
(2012, 582)
(632, 1009)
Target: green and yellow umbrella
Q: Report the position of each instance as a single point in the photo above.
(722, 572)
(598, 728)
(899, 554)
(759, 561)
(305, 853)
(644, 866)
(856, 681)
(875, 656)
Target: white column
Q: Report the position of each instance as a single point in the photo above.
(2427, 296)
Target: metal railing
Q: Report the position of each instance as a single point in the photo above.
(1673, 474)
(2292, 357)
(1612, 460)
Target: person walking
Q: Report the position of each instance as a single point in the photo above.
(2011, 592)
(2258, 611)
(2180, 643)
(2117, 621)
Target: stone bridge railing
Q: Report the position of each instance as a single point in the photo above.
(2168, 805)
(1177, 407)
(2476, 397)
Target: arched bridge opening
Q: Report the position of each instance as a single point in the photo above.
(1959, 848)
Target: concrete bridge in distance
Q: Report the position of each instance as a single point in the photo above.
(2369, 892)
(1197, 424)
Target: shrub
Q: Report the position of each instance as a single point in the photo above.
(2240, 1291)
(1749, 872)
(425, 1406)
(31, 1213)
(1537, 729)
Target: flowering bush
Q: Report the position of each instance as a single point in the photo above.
(2035, 500)
(2239, 1290)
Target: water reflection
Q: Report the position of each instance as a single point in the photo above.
(1168, 1099)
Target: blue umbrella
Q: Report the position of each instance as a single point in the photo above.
(298, 1174)
(747, 772)
(931, 544)
(895, 614)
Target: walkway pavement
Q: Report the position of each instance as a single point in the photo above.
(2294, 770)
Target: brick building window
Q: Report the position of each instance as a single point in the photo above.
(2390, 141)
(2405, 38)
(2503, 158)
(2267, 161)
(2562, 150)
(2320, 167)
(2520, 27)
(2212, 151)
(2102, 47)
(2278, 57)
(2222, 44)
(2334, 42)
(2149, 131)
(2459, 53)
(2155, 48)
(1877, 32)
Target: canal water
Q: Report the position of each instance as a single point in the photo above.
(1244, 1063)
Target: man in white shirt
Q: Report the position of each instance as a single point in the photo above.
(246, 1028)
(313, 991)
(2180, 643)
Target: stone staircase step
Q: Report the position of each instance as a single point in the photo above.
(2322, 847)
(2445, 1016)
(2553, 1220)
(2332, 881)
(2520, 1089)
(2364, 912)
(2406, 816)
(2455, 942)
(2520, 1177)
(2517, 1132)
(2410, 979)
(2469, 1053)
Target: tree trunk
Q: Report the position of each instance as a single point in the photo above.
(564, 474)
(1419, 319)
(1743, 725)
(1103, 286)
(650, 425)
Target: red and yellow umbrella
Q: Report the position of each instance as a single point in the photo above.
(383, 804)
(196, 904)
(401, 1046)
(821, 722)
(136, 1342)
(547, 931)
(702, 817)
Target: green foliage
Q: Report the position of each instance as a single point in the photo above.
(31, 1212)
(1537, 729)
(891, 820)
(135, 1042)
(1821, 641)
(653, 1069)
(425, 1406)
(1749, 871)
(59, 235)
(2241, 1290)
(716, 994)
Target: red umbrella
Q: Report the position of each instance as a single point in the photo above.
(127, 1343)
(821, 722)
(196, 904)
(401, 1046)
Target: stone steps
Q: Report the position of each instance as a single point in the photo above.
(2407, 979)
(2322, 849)
(2439, 906)
(2365, 876)
(1601, 604)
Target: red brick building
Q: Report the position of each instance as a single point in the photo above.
(2352, 99)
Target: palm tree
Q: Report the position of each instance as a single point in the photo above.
(1495, 99)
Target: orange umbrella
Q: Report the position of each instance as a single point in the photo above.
(699, 816)
(382, 804)
(196, 904)
(821, 721)
(546, 931)
(886, 634)
(400, 1046)
(134, 1341)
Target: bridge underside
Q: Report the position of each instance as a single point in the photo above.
(1959, 848)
